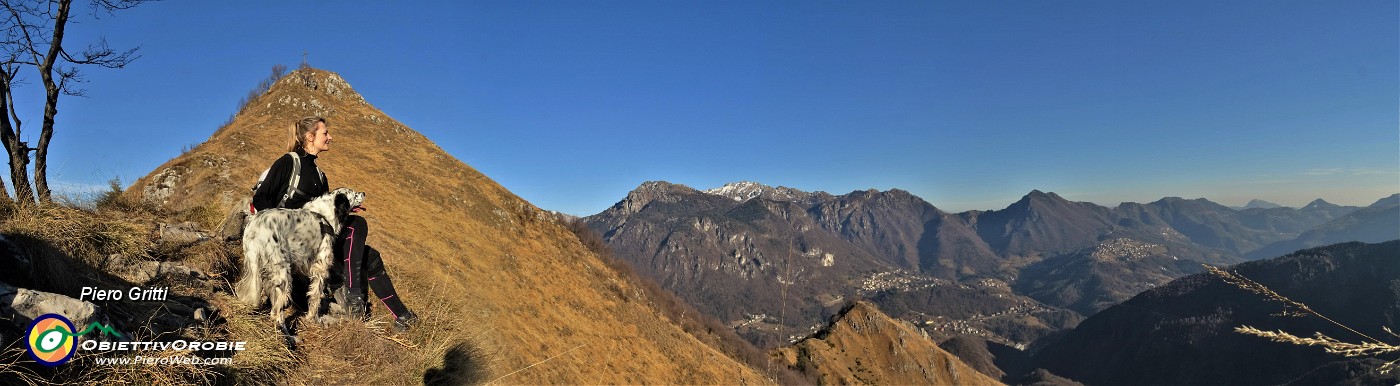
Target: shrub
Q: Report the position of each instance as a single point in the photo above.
(278, 71)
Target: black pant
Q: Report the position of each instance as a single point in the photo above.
(359, 267)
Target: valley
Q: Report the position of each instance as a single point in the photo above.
(777, 264)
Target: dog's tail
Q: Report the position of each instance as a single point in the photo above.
(249, 287)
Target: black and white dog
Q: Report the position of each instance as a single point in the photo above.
(280, 242)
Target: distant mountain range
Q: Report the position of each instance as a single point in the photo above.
(782, 258)
(1259, 204)
(1375, 223)
(1182, 333)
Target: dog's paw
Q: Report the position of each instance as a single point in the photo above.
(317, 319)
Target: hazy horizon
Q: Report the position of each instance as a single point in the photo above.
(967, 105)
(1002, 203)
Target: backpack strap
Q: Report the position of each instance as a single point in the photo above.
(295, 180)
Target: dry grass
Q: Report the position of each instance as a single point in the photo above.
(505, 293)
(12, 370)
(267, 359)
(174, 373)
(66, 243)
(865, 346)
(1329, 344)
(78, 233)
(1375, 347)
(504, 296)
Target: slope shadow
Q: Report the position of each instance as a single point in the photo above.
(463, 364)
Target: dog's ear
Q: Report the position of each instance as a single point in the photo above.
(342, 206)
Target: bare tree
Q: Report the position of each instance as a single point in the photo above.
(33, 32)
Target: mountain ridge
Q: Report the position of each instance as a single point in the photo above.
(746, 190)
(1260, 204)
(1063, 253)
(1183, 332)
(1372, 224)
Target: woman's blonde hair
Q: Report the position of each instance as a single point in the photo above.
(299, 130)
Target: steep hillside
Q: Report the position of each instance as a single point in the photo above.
(864, 346)
(739, 261)
(1182, 333)
(773, 262)
(998, 361)
(887, 224)
(1109, 272)
(1043, 223)
(1201, 221)
(481, 265)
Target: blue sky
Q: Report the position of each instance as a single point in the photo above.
(969, 105)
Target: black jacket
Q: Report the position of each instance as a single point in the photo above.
(312, 184)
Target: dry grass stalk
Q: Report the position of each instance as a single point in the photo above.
(380, 329)
(535, 364)
(11, 370)
(1331, 345)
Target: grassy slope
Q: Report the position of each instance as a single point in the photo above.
(482, 266)
(865, 346)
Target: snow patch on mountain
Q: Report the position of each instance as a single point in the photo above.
(747, 190)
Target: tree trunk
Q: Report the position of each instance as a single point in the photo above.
(19, 173)
(41, 156)
(17, 151)
(6, 131)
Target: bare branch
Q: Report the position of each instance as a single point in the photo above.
(69, 77)
(7, 81)
(102, 55)
(110, 7)
(23, 26)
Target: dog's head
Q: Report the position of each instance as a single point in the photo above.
(347, 201)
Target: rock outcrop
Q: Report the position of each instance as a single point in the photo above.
(22, 305)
